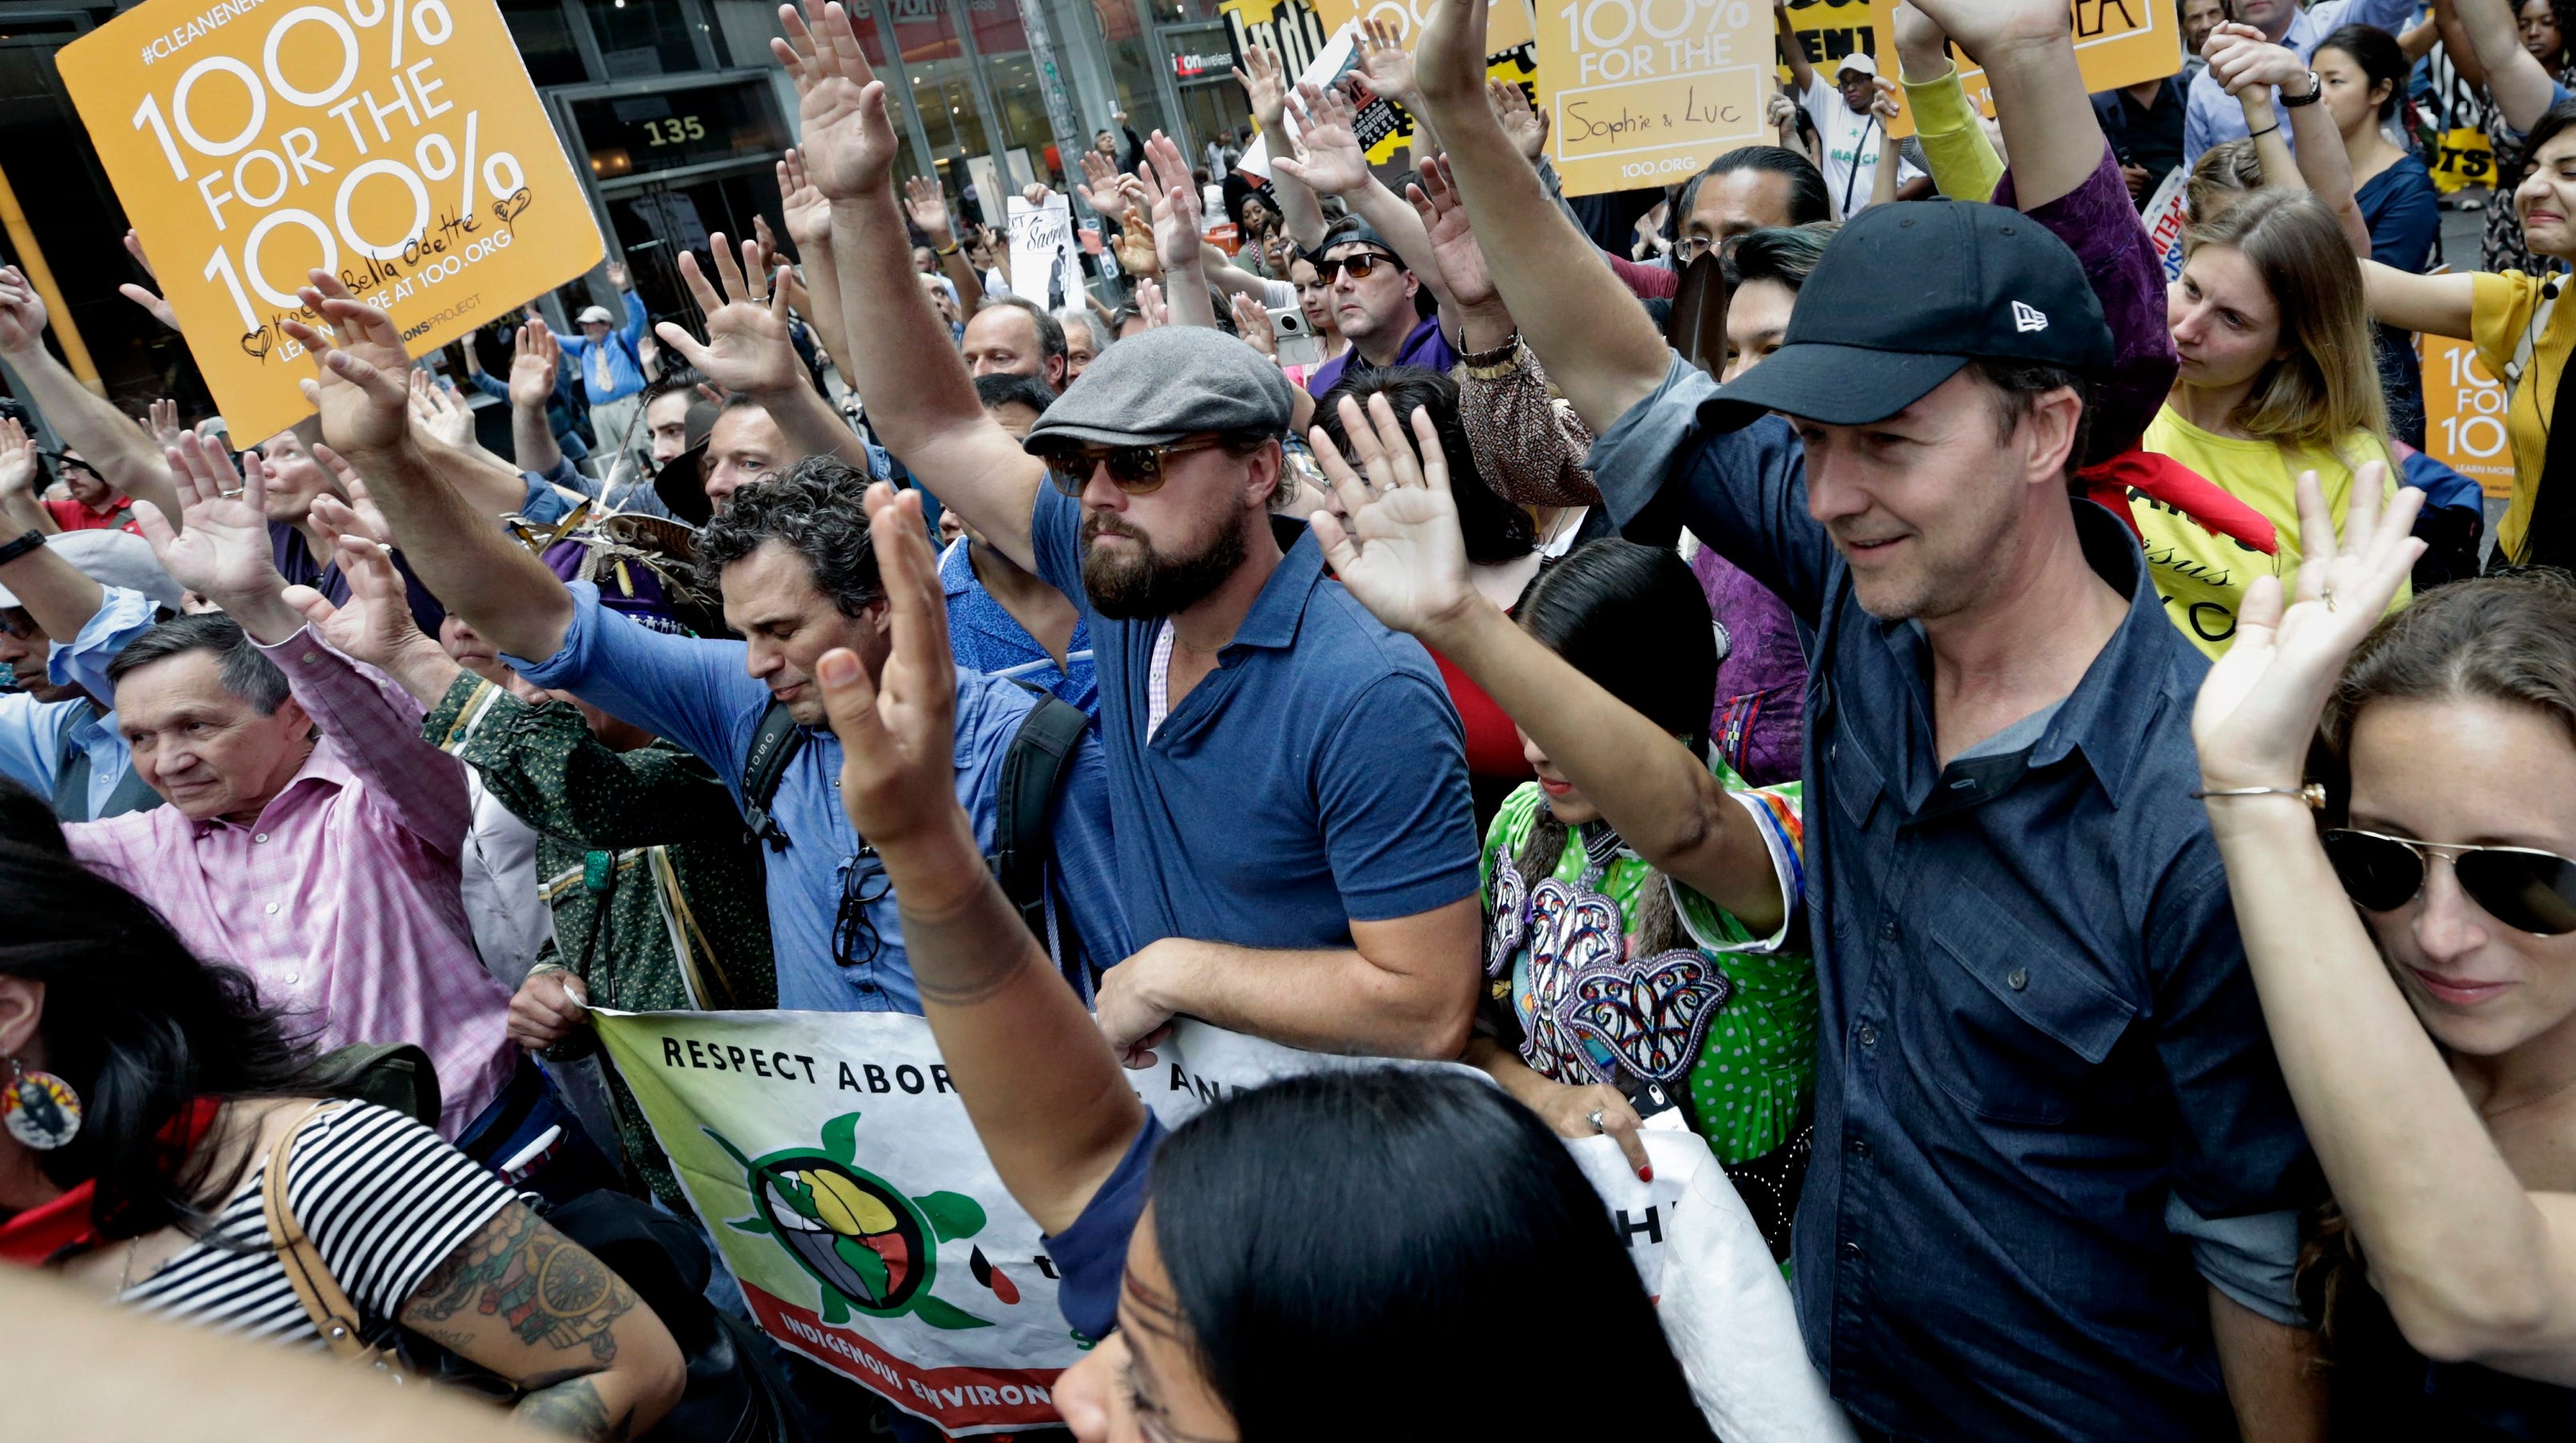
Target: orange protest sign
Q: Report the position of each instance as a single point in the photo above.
(1646, 92)
(2464, 410)
(2117, 42)
(1507, 22)
(397, 144)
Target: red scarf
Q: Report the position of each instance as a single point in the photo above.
(2164, 479)
(65, 1227)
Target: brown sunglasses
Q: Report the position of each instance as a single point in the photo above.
(1135, 470)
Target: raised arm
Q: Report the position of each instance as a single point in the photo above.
(928, 209)
(1176, 232)
(2051, 138)
(1330, 160)
(809, 223)
(107, 438)
(2250, 68)
(2523, 88)
(1793, 51)
(1401, 555)
(58, 595)
(1582, 323)
(464, 560)
(748, 349)
(1048, 1100)
(2474, 1266)
(534, 362)
(909, 375)
(1265, 84)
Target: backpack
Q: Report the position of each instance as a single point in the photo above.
(1032, 770)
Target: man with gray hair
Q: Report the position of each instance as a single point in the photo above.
(1014, 336)
(1084, 339)
(68, 605)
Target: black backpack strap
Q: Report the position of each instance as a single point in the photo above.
(1032, 769)
(772, 748)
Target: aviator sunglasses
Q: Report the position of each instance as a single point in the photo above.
(2522, 887)
(1136, 470)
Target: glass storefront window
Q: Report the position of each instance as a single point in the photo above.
(642, 37)
(545, 41)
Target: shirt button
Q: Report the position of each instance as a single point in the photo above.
(2017, 979)
(294, 977)
(309, 657)
(1859, 1148)
(259, 836)
(1868, 1034)
(1852, 1251)
(1887, 931)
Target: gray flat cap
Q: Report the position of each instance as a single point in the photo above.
(111, 558)
(1171, 381)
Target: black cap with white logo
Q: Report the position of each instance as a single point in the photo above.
(1906, 294)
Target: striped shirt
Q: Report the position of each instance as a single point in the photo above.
(341, 899)
(382, 1198)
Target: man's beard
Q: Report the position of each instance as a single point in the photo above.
(1128, 588)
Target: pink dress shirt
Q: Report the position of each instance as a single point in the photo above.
(341, 899)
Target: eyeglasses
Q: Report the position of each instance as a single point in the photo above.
(1358, 265)
(2522, 887)
(1136, 470)
(864, 882)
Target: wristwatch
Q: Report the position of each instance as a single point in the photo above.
(11, 551)
(2316, 92)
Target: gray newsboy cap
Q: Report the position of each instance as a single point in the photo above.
(1171, 381)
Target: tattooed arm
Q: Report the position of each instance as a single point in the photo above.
(526, 1302)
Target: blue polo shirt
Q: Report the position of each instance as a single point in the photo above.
(985, 637)
(1316, 777)
(697, 694)
(2046, 1104)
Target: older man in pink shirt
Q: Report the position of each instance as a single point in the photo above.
(312, 837)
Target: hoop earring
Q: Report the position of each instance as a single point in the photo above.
(40, 1109)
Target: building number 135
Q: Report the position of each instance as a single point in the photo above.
(675, 130)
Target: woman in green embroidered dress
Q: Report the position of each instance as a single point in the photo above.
(1637, 896)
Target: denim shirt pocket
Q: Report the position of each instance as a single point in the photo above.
(2021, 1031)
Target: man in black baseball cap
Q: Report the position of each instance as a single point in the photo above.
(1296, 847)
(2042, 1075)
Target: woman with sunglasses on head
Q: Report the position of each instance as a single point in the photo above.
(2416, 960)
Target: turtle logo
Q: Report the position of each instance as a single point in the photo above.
(869, 1247)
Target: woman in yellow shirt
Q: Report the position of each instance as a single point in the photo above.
(2524, 334)
(2277, 379)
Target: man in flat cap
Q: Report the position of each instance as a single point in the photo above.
(1288, 778)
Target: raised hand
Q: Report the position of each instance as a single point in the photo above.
(362, 395)
(1984, 28)
(1149, 304)
(807, 213)
(17, 459)
(747, 346)
(22, 313)
(850, 144)
(375, 625)
(1327, 158)
(1098, 187)
(437, 410)
(145, 296)
(899, 733)
(2259, 705)
(1526, 125)
(619, 279)
(1400, 551)
(928, 207)
(1252, 322)
(1884, 104)
(1449, 55)
(1384, 65)
(224, 552)
(1453, 241)
(353, 510)
(2240, 56)
(161, 423)
(1176, 206)
(535, 359)
(1265, 85)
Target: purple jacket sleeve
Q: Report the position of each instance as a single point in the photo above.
(2100, 224)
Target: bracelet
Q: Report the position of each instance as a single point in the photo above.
(2266, 130)
(2314, 793)
(20, 547)
(1500, 356)
(953, 247)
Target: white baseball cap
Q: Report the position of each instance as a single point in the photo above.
(1857, 61)
(599, 314)
(112, 558)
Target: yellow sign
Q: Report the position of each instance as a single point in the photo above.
(397, 144)
(1646, 92)
(2117, 43)
(1511, 54)
(2464, 415)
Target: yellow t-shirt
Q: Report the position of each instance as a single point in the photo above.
(2202, 575)
(2502, 304)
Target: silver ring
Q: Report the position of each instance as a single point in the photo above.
(2329, 598)
(1595, 1115)
(236, 491)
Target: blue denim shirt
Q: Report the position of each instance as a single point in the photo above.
(987, 638)
(697, 694)
(2039, 1031)
(33, 733)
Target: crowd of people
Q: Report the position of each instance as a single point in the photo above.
(2029, 763)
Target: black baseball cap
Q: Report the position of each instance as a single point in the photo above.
(1906, 294)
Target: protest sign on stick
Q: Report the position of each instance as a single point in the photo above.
(1647, 92)
(397, 144)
